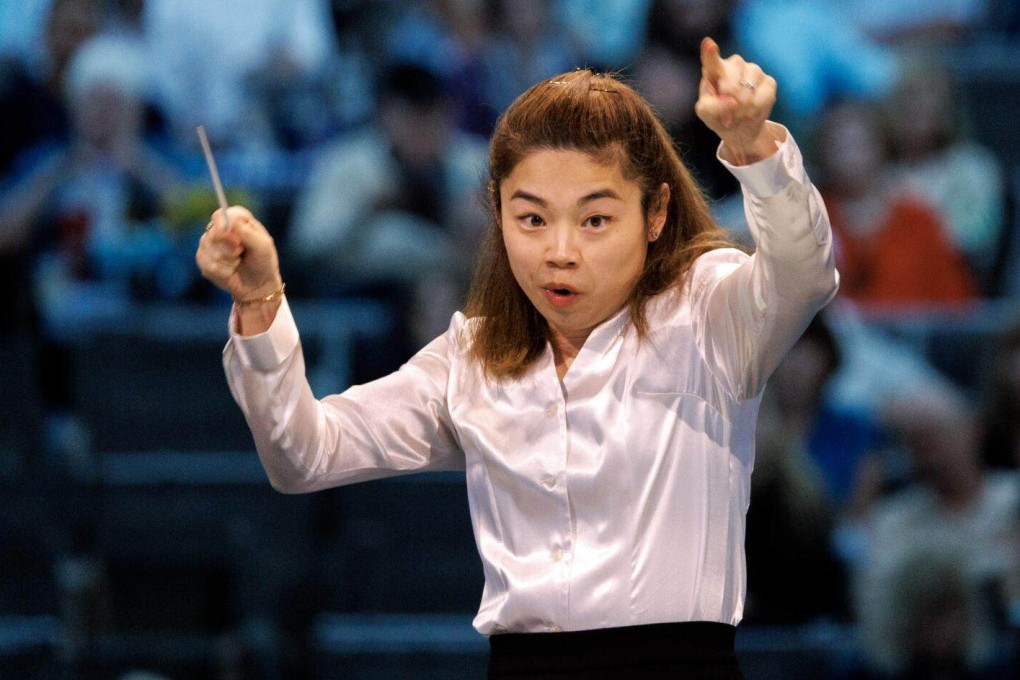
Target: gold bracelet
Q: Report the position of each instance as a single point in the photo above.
(264, 299)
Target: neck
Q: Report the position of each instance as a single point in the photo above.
(565, 349)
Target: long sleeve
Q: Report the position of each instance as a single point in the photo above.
(394, 425)
(749, 311)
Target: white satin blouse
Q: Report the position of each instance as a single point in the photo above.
(613, 498)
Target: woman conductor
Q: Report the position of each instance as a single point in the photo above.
(600, 388)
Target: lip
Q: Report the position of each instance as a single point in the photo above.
(560, 295)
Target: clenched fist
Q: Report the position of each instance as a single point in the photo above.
(243, 261)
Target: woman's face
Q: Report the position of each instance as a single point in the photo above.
(576, 237)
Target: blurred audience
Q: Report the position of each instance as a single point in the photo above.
(525, 47)
(909, 24)
(607, 34)
(803, 445)
(679, 25)
(928, 621)
(932, 158)
(205, 54)
(1000, 407)
(836, 435)
(954, 503)
(446, 37)
(102, 188)
(88, 202)
(891, 247)
(830, 59)
(32, 75)
(667, 73)
(397, 205)
(81, 222)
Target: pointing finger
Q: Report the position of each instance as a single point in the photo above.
(711, 61)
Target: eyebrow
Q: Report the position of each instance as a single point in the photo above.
(593, 196)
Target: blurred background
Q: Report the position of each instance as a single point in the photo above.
(139, 538)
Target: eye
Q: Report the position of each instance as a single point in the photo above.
(532, 220)
(597, 221)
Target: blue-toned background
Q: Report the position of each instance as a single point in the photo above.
(139, 537)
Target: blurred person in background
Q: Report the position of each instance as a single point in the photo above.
(929, 620)
(999, 415)
(204, 55)
(931, 157)
(300, 104)
(89, 200)
(802, 443)
(835, 434)
(448, 38)
(999, 410)
(953, 502)
(32, 75)
(83, 216)
(667, 72)
(396, 206)
(892, 248)
(524, 47)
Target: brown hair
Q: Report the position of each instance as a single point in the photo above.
(599, 115)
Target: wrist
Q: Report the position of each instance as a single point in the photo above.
(263, 294)
(745, 152)
(255, 313)
(255, 319)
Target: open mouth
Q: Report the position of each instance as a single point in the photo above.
(560, 296)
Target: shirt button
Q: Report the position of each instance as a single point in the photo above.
(551, 411)
(549, 481)
(556, 554)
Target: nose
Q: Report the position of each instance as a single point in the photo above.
(562, 248)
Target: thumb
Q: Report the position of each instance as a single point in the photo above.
(716, 112)
(711, 61)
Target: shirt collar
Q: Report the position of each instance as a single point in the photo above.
(606, 332)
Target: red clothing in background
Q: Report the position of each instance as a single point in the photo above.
(907, 260)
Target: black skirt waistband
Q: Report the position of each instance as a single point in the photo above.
(677, 645)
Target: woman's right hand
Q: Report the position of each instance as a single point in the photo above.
(243, 261)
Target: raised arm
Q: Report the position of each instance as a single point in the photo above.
(394, 425)
(750, 310)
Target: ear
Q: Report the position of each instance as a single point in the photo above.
(660, 209)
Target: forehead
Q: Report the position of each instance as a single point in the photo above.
(568, 172)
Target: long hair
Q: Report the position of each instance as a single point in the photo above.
(601, 116)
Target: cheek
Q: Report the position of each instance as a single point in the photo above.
(517, 254)
(625, 257)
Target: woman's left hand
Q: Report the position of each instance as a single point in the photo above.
(735, 98)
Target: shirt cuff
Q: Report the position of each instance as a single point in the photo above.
(770, 175)
(267, 350)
